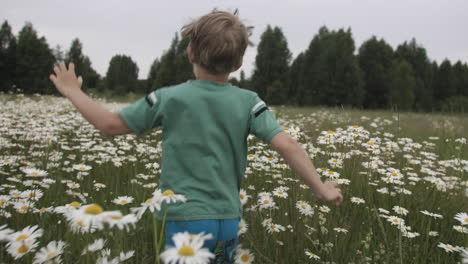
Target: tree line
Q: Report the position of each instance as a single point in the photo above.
(330, 72)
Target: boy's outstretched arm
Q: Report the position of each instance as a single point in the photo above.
(69, 85)
(297, 158)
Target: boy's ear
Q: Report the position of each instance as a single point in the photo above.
(190, 53)
(238, 66)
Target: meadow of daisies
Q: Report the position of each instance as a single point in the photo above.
(71, 195)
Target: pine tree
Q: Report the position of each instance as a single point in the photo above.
(331, 74)
(415, 55)
(122, 75)
(271, 66)
(375, 60)
(82, 63)
(174, 66)
(402, 85)
(35, 62)
(7, 57)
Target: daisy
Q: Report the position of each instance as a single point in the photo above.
(242, 228)
(304, 208)
(275, 228)
(81, 167)
(311, 255)
(461, 229)
(188, 249)
(433, 233)
(117, 219)
(18, 249)
(97, 245)
(462, 217)
(123, 200)
(32, 194)
(126, 255)
(243, 256)
(340, 230)
(88, 217)
(73, 185)
(52, 251)
(152, 204)
(324, 209)
(357, 200)
(381, 210)
(152, 165)
(243, 196)
(400, 210)
(169, 196)
(448, 247)
(33, 172)
(394, 220)
(280, 192)
(266, 202)
(431, 214)
(23, 207)
(5, 233)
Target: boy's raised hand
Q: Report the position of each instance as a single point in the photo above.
(65, 80)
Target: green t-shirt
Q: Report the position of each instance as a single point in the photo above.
(205, 127)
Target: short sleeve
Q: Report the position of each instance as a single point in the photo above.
(262, 122)
(144, 114)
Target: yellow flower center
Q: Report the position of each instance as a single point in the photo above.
(270, 158)
(245, 257)
(94, 209)
(280, 192)
(51, 255)
(75, 204)
(168, 192)
(331, 172)
(370, 143)
(266, 201)
(80, 223)
(123, 201)
(303, 206)
(32, 194)
(35, 173)
(24, 207)
(148, 200)
(242, 196)
(116, 217)
(186, 251)
(466, 220)
(42, 210)
(356, 126)
(23, 249)
(82, 168)
(251, 155)
(21, 237)
(394, 174)
(330, 131)
(396, 220)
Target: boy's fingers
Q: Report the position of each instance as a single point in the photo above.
(62, 66)
(53, 78)
(80, 80)
(71, 67)
(57, 70)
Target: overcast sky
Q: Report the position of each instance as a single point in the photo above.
(143, 29)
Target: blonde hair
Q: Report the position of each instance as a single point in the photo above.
(218, 41)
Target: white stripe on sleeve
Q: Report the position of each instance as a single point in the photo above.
(153, 98)
(257, 106)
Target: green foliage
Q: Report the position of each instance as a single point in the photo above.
(331, 74)
(173, 67)
(402, 85)
(375, 59)
(416, 55)
(271, 66)
(7, 57)
(122, 75)
(82, 65)
(34, 62)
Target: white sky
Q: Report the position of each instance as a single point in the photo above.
(143, 29)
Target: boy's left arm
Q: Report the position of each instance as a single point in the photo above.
(69, 85)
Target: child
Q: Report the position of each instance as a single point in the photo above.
(205, 126)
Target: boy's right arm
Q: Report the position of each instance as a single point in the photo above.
(299, 161)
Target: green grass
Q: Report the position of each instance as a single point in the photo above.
(26, 122)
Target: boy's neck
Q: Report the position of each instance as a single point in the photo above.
(201, 74)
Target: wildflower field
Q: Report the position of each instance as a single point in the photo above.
(71, 195)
